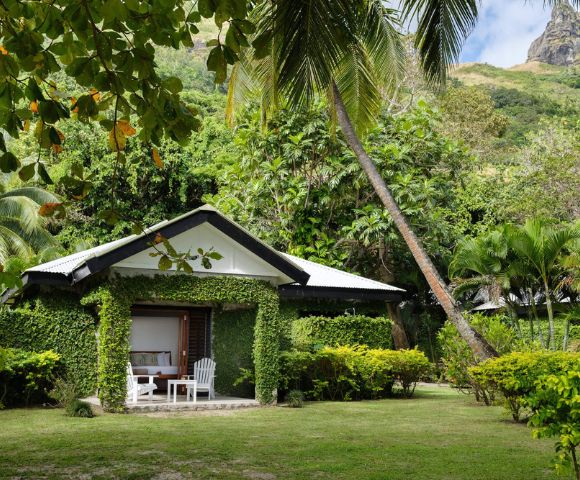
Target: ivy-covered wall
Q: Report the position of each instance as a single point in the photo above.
(293, 309)
(56, 322)
(115, 298)
(232, 341)
(351, 330)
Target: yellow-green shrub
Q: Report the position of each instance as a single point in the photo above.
(26, 377)
(346, 373)
(555, 404)
(515, 374)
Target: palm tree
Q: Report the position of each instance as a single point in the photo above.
(544, 253)
(484, 265)
(351, 51)
(23, 231)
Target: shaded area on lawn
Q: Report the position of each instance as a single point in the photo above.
(440, 434)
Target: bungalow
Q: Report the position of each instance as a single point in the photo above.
(103, 306)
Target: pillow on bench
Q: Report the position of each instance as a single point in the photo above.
(150, 359)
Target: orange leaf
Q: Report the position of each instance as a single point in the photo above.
(34, 106)
(117, 139)
(48, 209)
(56, 148)
(158, 238)
(73, 103)
(3, 51)
(156, 158)
(126, 128)
(95, 94)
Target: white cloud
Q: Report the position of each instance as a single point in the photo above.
(504, 32)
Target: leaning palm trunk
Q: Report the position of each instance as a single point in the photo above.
(476, 342)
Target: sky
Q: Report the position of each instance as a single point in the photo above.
(504, 32)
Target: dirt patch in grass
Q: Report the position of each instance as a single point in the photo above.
(192, 413)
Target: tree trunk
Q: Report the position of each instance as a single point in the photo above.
(551, 339)
(399, 336)
(535, 312)
(480, 347)
(566, 334)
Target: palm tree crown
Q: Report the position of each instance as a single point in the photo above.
(23, 231)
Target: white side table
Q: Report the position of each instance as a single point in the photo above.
(178, 382)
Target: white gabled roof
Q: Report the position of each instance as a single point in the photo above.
(323, 276)
(68, 264)
(320, 276)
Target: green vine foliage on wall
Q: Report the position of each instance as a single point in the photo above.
(295, 309)
(342, 330)
(116, 297)
(56, 322)
(230, 356)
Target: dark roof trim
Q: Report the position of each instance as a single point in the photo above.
(299, 291)
(37, 278)
(99, 263)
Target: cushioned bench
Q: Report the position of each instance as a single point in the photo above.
(151, 363)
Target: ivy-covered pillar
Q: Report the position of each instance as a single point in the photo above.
(113, 348)
(267, 348)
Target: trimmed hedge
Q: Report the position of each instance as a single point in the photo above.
(26, 377)
(56, 322)
(343, 330)
(352, 373)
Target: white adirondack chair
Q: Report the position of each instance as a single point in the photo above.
(134, 388)
(203, 372)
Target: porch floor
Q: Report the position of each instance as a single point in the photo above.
(159, 403)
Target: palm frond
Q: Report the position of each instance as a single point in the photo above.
(37, 238)
(12, 244)
(39, 195)
(358, 87)
(313, 34)
(23, 210)
(255, 76)
(442, 28)
(379, 34)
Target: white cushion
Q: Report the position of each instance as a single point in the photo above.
(162, 359)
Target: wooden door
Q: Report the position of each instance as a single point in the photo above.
(199, 336)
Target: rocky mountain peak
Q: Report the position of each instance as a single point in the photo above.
(560, 42)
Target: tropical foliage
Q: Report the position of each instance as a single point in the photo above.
(521, 266)
(556, 410)
(23, 231)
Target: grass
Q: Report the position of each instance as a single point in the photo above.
(554, 82)
(440, 434)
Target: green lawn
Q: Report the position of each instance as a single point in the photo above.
(440, 434)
